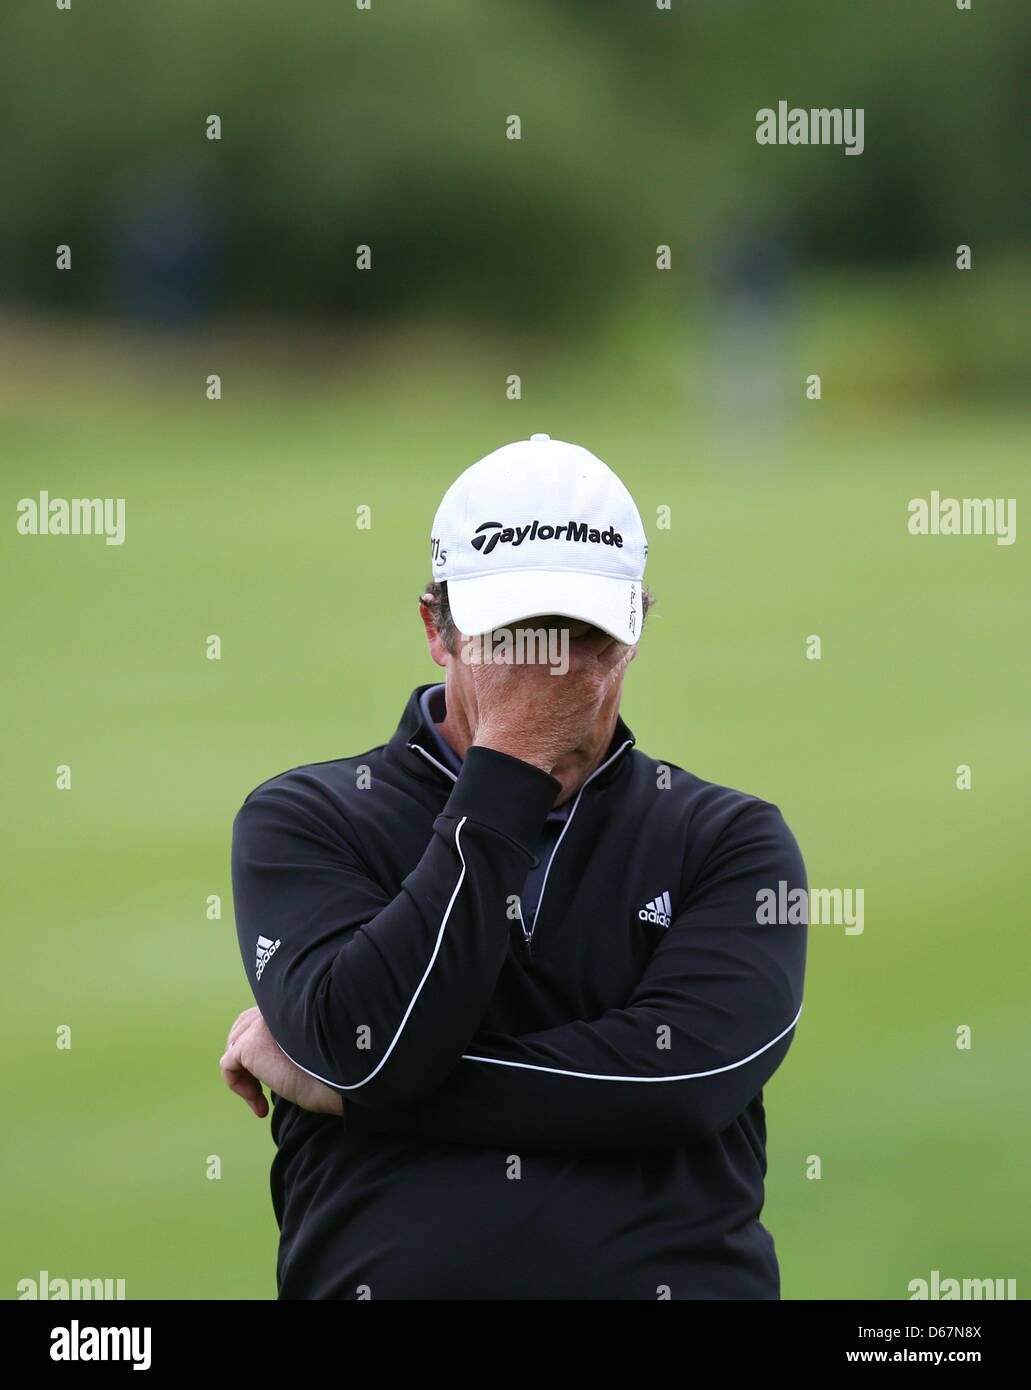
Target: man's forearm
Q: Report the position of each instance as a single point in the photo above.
(379, 998)
(708, 1024)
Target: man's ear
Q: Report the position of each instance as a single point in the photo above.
(438, 651)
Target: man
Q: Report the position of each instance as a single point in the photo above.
(512, 997)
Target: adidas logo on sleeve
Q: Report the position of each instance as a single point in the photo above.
(266, 950)
(659, 910)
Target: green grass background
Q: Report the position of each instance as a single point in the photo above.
(241, 522)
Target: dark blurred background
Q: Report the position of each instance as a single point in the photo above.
(386, 127)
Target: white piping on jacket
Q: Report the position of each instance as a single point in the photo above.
(595, 1076)
(562, 836)
(338, 1086)
(411, 1003)
(445, 770)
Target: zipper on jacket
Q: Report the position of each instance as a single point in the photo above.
(528, 934)
(569, 821)
(430, 759)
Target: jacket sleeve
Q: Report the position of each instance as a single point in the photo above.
(708, 1024)
(377, 995)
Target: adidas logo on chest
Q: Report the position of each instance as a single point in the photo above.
(266, 950)
(659, 910)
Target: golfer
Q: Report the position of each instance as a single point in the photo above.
(513, 1001)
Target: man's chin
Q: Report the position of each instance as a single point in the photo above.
(572, 773)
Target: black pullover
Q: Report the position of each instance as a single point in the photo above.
(571, 1110)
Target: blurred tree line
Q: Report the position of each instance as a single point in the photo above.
(387, 127)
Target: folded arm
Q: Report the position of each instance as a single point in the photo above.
(373, 995)
(709, 1022)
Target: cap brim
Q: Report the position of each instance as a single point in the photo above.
(490, 601)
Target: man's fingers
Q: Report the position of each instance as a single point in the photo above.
(239, 1080)
(241, 1025)
(231, 1066)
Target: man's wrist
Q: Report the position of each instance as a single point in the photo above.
(543, 761)
(503, 792)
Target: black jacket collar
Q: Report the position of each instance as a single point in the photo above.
(412, 729)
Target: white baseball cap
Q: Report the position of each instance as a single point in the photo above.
(540, 527)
